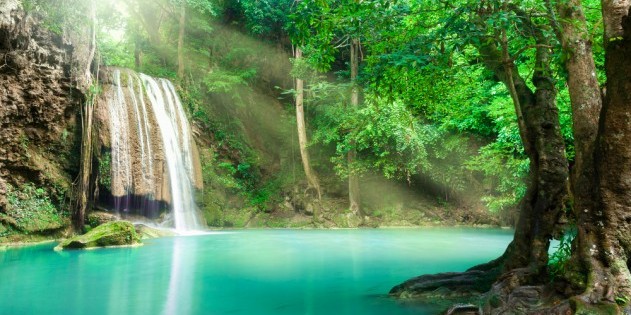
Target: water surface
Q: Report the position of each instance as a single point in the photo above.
(241, 272)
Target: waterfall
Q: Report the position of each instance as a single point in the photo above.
(173, 126)
(151, 148)
(119, 137)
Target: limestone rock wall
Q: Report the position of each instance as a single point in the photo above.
(41, 78)
(138, 180)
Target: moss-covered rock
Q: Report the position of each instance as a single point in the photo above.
(581, 307)
(117, 233)
(97, 218)
(30, 210)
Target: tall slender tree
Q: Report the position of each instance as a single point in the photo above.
(312, 179)
(353, 178)
(180, 41)
(85, 173)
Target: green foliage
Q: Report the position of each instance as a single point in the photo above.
(504, 175)
(387, 137)
(105, 170)
(31, 210)
(622, 300)
(24, 142)
(114, 53)
(559, 259)
(265, 17)
(226, 81)
(54, 15)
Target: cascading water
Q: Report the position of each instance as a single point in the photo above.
(174, 128)
(119, 135)
(151, 148)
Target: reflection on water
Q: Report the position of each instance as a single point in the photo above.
(279, 272)
(181, 282)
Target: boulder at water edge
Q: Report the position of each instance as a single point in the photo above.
(117, 233)
(147, 232)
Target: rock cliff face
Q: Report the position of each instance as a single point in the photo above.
(42, 76)
(144, 143)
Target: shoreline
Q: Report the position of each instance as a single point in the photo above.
(20, 244)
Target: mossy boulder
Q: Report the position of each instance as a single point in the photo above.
(30, 210)
(97, 218)
(117, 233)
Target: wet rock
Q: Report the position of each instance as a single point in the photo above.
(3, 194)
(451, 283)
(97, 218)
(463, 309)
(148, 232)
(309, 209)
(118, 233)
(41, 79)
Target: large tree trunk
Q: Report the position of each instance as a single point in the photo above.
(302, 133)
(586, 103)
(180, 42)
(604, 240)
(546, 194)
(353, 178)
(525, 259)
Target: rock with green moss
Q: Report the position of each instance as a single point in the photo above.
(30, 210)
(97, 218)
(117, 233)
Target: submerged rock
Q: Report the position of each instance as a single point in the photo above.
(147, 232)
(118, 233)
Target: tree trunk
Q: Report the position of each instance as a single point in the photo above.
(353, 178)
(604, 240)
(547, 185)
(137, 53)
(86, 140)
(88, 72)
(546, 193)
(302, 133)
(180, 42)
(586, 103)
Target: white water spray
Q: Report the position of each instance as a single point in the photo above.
(129, 111)
(166, 105)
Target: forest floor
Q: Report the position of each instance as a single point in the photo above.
(332, 213)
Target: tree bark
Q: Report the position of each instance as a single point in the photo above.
(137, 53)
(546, 193)
(86, 139)
(604, 240)
(302, 133)
(586, 104)
(180, 42)
(353, 178)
